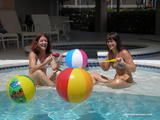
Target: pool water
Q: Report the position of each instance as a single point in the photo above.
(47, 105)
(147, 79)
(138, 102)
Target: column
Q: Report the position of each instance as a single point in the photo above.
(101, 16)
(157, 25)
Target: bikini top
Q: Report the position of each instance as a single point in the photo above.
(39, 62)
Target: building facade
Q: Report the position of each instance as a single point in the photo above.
(111, 3)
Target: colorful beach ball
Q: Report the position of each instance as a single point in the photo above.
(21, 88)
(74, 84)
(76, 58)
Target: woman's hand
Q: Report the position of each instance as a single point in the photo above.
(48, 59)
(55, 63)
(104, 65)
(120, 60)
(120, 64)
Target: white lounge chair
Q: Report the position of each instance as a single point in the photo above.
(63, 25)
(8, 37)
(11, 23)
(42, 24)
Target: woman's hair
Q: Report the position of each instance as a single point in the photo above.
(35, 47)
(114, 36)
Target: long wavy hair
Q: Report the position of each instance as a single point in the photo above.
(36, 49)
(114, 36)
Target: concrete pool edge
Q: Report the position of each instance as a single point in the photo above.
(12, 63)
(148, 46)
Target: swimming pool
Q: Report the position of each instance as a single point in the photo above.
(138, 102)
(47, 105)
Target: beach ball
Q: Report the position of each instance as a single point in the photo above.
(74, 84)
(21, 88)
(76, 58)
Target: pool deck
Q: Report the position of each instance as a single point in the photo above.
(14, 56)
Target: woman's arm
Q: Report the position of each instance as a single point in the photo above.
(54, 64)
(106, 65)
(128, 61)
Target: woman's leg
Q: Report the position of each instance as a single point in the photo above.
(99, 78)
(118, 83)
(41, 78)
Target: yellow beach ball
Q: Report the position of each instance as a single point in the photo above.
(21, 88)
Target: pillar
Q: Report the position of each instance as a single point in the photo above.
(157, 22)
(101, 16)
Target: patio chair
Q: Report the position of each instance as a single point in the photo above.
(8, 37)
(42, 24)
(63, 25)
(11, 23)
(5, 36)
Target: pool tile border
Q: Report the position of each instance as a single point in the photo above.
(92, 63)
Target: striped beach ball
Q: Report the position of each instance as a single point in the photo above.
(74, 84)
(76, 58)
(21, 88)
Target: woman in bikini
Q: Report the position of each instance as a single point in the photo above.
(39, 58)
(124, 64)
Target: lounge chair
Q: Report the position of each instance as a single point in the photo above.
(9, 37)
(42, 24)
(11, 23)
(63, 25)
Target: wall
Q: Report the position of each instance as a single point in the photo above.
(24, 7)
(7, 4)
(158, 22)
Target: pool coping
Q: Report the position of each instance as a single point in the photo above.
(150, 46)
(14, 63)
